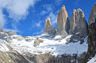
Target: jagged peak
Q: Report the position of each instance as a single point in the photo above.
(74, 10)
(48, 27)
(92, 16)
(48, 21)
(63, 9)
(78, 11)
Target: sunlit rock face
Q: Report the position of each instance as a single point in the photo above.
(48, 27)
(78, 23)
(92, 15)
(62, 22)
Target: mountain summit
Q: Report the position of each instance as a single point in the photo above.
(62, 20)
(92, 16)
(48, 27)
(78, 23)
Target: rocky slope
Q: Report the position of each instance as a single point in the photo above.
(12, 57)
(92, 15)
(46, 50)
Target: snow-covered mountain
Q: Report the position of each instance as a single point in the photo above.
(42, 44)
(69, 43)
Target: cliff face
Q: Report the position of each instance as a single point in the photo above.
(91, 42)
(48, 27)
(92, 15)
(62, 22)
(92, 35)
(78, 23)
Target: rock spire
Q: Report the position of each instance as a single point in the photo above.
(48, 27)
(78, 23)
(92, 16)
(62, 22)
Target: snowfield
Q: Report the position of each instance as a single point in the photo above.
(93, 60)
(49, 45)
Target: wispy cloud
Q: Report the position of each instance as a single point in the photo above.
(14, 30)
(48, 7)
(38, 24)
(53, 18)
(43, 12)
(2, 19)
(17, 9)
(59, 1)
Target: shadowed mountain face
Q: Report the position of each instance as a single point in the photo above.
(78, 23)
(92, 35)
(91, 41)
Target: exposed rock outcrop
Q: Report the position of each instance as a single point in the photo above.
(48, 27)
(78, 23)
(62, 22)
(92, 35)
(92, 15)
(48, 58)
(11, 33)
(91, 42)
(12, 57)
(37, 42)
(78, 26)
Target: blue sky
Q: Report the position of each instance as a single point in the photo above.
(27, 17)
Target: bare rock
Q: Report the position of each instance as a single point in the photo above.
(37, 42)
(78, 23)
(91, 42)
(62, 22)
(92, 16)
(11, 33)
(12, 57)
(48, 27)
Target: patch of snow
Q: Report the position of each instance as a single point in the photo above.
(77, 33)
(93, 60)
(57, 37)
(49, 46)
(4, 46)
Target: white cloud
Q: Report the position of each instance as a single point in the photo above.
(53, 18)
(2, 19)
(43, 12)
(38, 24)
(48, 7)
(60, 1)
(14, 30)
(17, 9)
